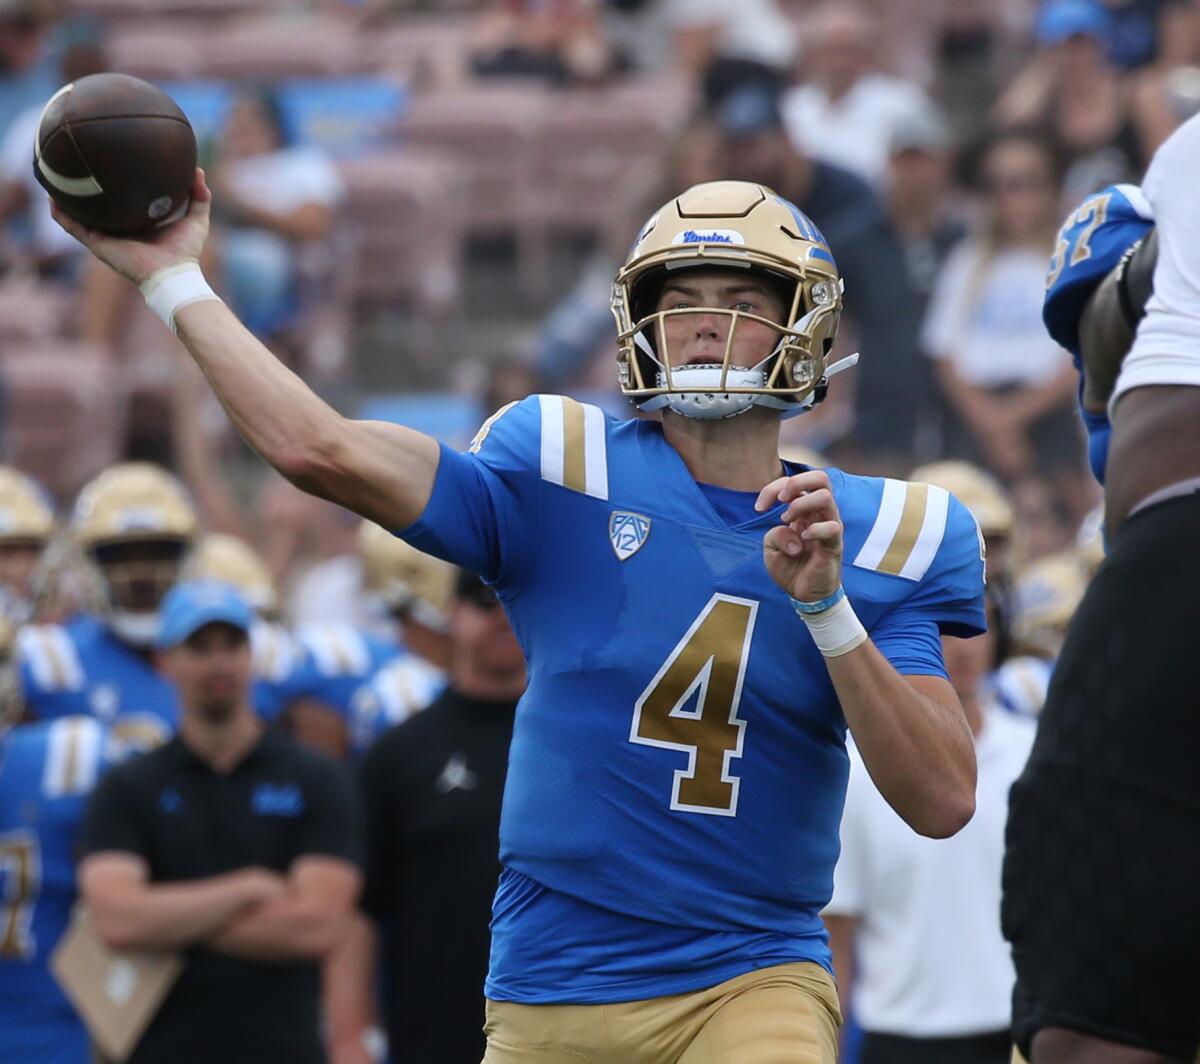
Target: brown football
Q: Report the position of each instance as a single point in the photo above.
(116, 154)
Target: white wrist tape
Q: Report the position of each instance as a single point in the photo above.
(169, 289)
(837, 630)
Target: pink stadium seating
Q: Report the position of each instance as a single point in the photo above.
(62, 413)
(406, 227)
(31, 311)
(158, 51)
(492, 130)
(284, 46)
(416, 47)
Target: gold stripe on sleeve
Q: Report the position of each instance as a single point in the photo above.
(574, 455)
(911, 519)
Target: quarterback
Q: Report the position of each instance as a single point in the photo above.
(702, 623)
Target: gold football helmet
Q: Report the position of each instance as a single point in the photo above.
(233, 561)
(1045, 595)
(740, 226)
(402, 578)
(135, 522)
(26, 526)
(978, 491)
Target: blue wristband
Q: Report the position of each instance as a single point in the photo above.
(824, 604)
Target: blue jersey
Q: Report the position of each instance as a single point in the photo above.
(81, 667)
(280, 668)
(1090, 244)
(403, 686)
(338, 660)
(47, 771)
(678, 764)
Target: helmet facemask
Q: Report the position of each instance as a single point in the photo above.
(137, 576)
(785, 378)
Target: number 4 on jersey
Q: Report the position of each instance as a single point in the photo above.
(709, 663)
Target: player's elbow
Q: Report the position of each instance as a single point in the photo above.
(314, 462)
(946, 816)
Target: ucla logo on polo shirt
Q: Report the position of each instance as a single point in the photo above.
(271, 799)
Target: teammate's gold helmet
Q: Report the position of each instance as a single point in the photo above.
(135, 522)
(1045, 595)
(402, 578)
(978, 491)
(231, 560)
(736, 225)
(26, 515)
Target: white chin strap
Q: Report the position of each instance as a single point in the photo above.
(136, 629)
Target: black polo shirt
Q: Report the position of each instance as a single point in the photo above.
(433, 787)
(283, 801)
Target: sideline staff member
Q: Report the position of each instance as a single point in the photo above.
(231, 842)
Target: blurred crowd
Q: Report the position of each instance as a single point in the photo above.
(421, 207)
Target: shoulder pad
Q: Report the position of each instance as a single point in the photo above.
(1020, 685)
(335, 649)
(276, 654)
(49, 658)
(563, 440)
(73, 751)
(1090, 244)
(406, 686)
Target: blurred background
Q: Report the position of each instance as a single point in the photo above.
(421, 205)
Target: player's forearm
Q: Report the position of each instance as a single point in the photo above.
(918, 751)
(168, 915)
(348, 980)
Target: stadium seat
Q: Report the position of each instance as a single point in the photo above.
(344, 116)
(493, 131)
(31, 311)
(269, 48)
(160, 51)
(406, 226)
(417, 47)
(62, 413)
(588, 141)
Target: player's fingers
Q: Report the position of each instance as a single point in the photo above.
(769, 495)
(79, 231)
(825, 532)
(817, 503)
(201, 193)
(784, 541)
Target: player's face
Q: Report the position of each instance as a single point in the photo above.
(140, 574)
(17, 563)
(700, 336)
(213, 670)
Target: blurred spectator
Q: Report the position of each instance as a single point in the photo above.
(914, 923)
(432, 790)
(29, 71)
(888, 389)
(231, 842)
(1167, 93)
(1140, 30)
(1008, 384)
(847, 110)
(33, 236)
(717, 44)
(270, 199)
(918, 197)
(559, 41)
(1076, 97)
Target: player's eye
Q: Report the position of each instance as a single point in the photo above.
(746, 306)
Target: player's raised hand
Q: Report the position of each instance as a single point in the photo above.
(804, 553)
(137, 259)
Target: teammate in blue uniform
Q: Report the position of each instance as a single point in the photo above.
(134, 523)
(1098, 237)
(47, 770)
(26, 525)
(701, 623)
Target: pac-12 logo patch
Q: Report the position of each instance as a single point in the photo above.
(627, 532)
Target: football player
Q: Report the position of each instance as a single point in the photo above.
(701, 623)
(26, 525)
(134, 523)
(47, 770)
(1098, 898)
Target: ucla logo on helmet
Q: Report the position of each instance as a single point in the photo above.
(709, 236)
(627, 532)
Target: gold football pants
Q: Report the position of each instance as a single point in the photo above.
(787, 1014)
